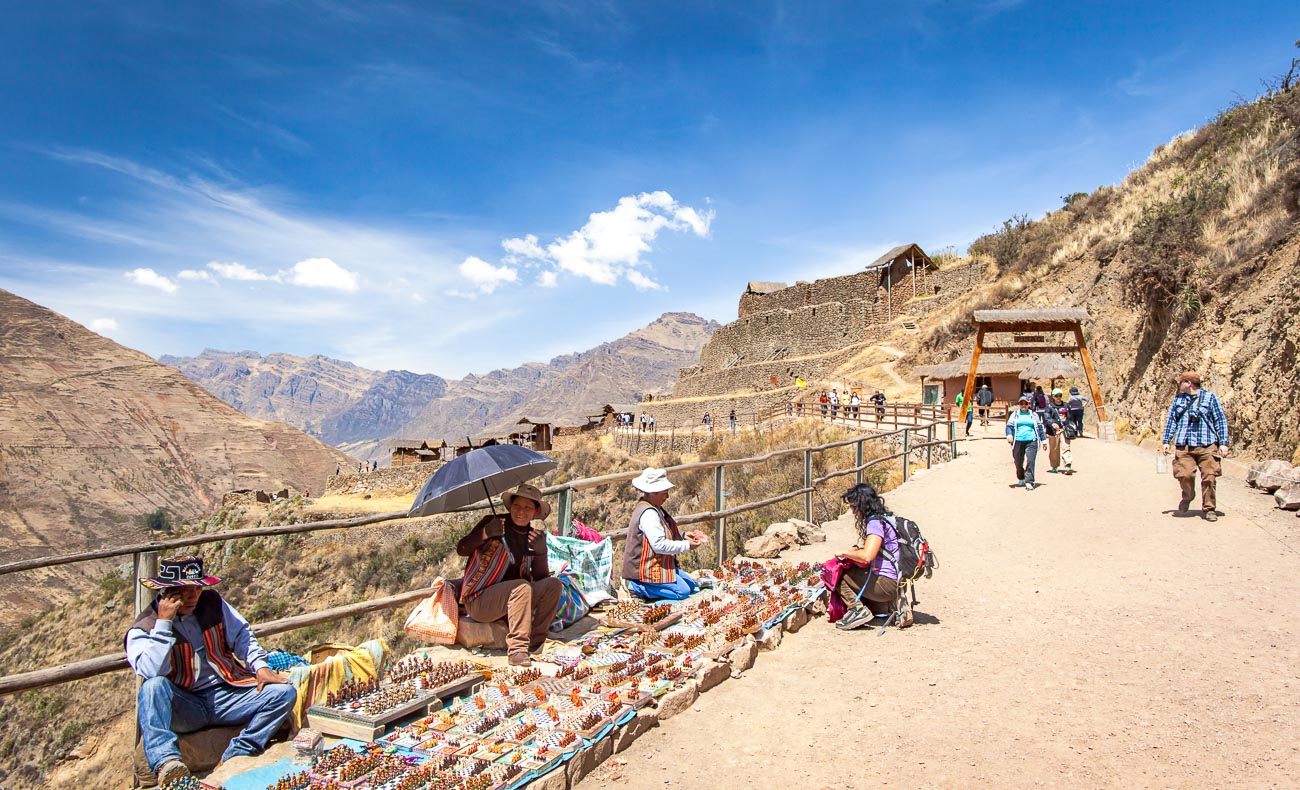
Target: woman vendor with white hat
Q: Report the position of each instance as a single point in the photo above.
(653, 543)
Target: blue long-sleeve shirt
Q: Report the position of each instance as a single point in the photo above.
(149, 654)
(1197, 420)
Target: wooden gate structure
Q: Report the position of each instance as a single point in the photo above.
(1027, 321)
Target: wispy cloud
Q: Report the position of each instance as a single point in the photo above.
(486, 277)
(152, 279)
(322, 273)
(103, 325)
(609, 247)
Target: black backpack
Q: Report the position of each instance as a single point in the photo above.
(915, 559)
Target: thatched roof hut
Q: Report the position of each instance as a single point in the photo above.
(990, 365)
(1052, 366)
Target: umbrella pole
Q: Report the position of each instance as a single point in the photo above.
(489, 498)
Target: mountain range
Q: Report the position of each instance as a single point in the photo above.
(94, 437)
(361, 411)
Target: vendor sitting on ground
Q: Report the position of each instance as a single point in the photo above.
(653, 543)
(870, 583)
(506, 574)
(201, 666)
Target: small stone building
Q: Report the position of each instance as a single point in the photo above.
(904, 274)
(415, 451)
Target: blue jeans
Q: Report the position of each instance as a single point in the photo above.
(681, 589)
(165, 709)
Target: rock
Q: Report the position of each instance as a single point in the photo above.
(645, 720)
(1269, 475)
(678, 700)
(797, 619)
(808, 532)
(1287, 496)
(713, 674)
(588, 760)
(783, 531)
(818, 607)
(770, 638)
(764, 547)
(742, 658)
(556, 779)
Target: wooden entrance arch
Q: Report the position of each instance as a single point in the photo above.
(1024, 322)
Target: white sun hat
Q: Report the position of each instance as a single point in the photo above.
(652, 481)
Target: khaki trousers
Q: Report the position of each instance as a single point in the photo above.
(528, 608)
(880, 594)
(1058, 448)
(1187, 461)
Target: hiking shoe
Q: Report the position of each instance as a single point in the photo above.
(171, 771)
(1020, 484)
(856, 617)
(1210, 515)
(520, 660)
(1052, 470)
(1183, 505)
(1029, 486)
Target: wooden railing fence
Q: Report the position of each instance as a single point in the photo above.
(910, 439)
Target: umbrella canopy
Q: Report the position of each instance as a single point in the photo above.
(477, 475)
(1052, 366)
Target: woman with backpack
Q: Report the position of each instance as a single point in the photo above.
(869, 583)
(1025, 433)
(1060, 433)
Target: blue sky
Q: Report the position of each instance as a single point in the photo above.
(455, 187)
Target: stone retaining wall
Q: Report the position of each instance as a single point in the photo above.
(398, 478)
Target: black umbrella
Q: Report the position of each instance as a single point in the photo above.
(477, 475)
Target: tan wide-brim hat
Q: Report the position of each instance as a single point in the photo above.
(652, 481)
(529, 492)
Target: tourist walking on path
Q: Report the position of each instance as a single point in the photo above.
(970, 413)
(1024, 434)
(835, 404)
(1040, 400)
(1197, 430)
(732, 418)
(879, 400)
(1060, 433)
(984, 398)
(825, 401)
(855, 405)
(1075, 407)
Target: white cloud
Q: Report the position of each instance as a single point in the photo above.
(152, 279)
(192, 274)
(612, 242)
(547, 279)
(238, 271)
(103, 325)
(486, 277)
(321, 273)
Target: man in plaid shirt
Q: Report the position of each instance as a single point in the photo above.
(1197, 430)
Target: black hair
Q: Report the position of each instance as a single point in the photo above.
(865, 503)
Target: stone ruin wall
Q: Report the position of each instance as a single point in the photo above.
(385, 478)
(758, 378)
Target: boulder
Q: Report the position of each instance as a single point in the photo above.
(1268, 475)
(808, 532)
(678, 700)
(645, 720)
(783, 531)
(1287, 496)
(797, 619)
(770, 638)
(818, 607)
(556, 779)
(588, 760)
(764, 547)
(713, 674)
(742, 658)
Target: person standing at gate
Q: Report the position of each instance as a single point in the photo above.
(984, 399)
(1197, 431)
(1074, 408)
(1025, 433)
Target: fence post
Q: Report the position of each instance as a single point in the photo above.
(566, 512)
(929, 449)
(907, 451)
(859, 458)
(720, 503)
(952, 437)
(807, 483)
(143, 565)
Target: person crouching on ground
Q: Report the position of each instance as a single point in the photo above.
(201, 666)
(870, 583)
(1025, 433)
(654, 542)
(506, 576)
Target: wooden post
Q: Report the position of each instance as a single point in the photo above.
(566, 512)
(929, 439)
(143, 566)
(1092, 374)
(952, 438)
(858, 457)
(969, 391)
(807, 483)
(720, 503)
(907, 451)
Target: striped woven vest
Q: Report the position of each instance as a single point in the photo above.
(485, 568)
(640, 563)
(220, 657)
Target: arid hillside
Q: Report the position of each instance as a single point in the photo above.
(1191, 263)
(94, 437)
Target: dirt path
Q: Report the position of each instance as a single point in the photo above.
(1078, 635)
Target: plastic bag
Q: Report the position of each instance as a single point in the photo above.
(1162, 464)
(434, 618)
(573, 604)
